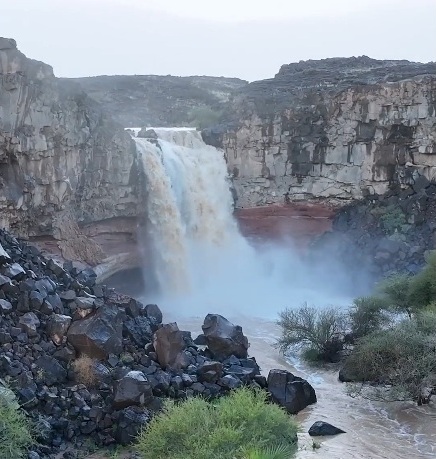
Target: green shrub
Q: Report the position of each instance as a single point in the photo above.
(274, 452)
(228, 428)
(422, 286)
(319, 331)
(15, 434)
(392, 220)
(395, 290)
(403, 357)
(367, 315)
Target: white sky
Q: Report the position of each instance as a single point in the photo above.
(248, 39)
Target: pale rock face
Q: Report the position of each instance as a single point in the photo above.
(341, 146)
(60, 157)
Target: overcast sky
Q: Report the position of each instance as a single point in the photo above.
(249, 39)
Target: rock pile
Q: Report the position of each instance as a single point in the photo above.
(84, 360)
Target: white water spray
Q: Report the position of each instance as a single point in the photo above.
(201, 261)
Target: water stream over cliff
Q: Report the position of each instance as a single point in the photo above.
(202, 264)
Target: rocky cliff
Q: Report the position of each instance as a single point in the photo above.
(153, 100)
(335, 128)
(63, 161)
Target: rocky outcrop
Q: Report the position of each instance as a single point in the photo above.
(336, 128)
(223, 338)
(63, 162)
(105, 385)
(291, 392)
(383, 234)
(153, 100)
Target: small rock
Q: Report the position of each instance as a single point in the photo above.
(321, 428)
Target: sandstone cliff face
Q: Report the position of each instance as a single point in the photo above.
(337, 129)
(62, 161)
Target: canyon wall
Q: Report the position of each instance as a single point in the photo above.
(338, 128)
(64, 163)
(161, 100)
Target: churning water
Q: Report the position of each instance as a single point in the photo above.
(200, 260)
(202, 264)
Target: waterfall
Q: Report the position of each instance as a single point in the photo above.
(189, 203)
(200, 260)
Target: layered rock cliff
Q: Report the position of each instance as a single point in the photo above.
(63, 162)
(335, 128)
(154, 100)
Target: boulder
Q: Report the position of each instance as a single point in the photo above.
(139, 330)
(132, 389)
(99, 334)
(130, 422)
(5, 307)
(169, 344)
(50, 371)
(321, 428)
(4, 256)
(223, 338)
(210, 371)
(289, 391)
(14, 271)
(57, 327)
(29, 323)
(153, 311)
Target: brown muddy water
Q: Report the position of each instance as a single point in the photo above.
(375, 430)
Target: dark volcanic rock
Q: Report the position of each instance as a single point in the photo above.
(321, 428)
(169, 343)
(289, 391)
(99, 334)
(223, 338)
(133, 389)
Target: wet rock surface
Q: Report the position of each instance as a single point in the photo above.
(80, 372)
(321, 428)
(386, 233)
(289, 391)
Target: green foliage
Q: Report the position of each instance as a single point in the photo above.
(403, 356)
(229, 428)
(204, 117)
(368, 314)
(392, 220)
(396, 292)
(319, 331)
(272, 452)
(422, 288)
(15, 433)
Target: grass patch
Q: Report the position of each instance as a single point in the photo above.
(232, 427)
(15, 432)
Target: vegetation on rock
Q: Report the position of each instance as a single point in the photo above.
(240, 425)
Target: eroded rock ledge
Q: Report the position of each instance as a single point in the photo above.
(338, 129)
(64, 164)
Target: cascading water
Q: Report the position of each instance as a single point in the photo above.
(200, 258)
(204, 265)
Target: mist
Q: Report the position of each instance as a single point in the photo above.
(201, 263)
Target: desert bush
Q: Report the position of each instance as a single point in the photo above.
(368, 314)
(422, 286)
(228, 428)
(320, 332)
(403, 357)
(392, 220)
(204, 117)
(15, 431)
(84, 370)
(395, 290)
